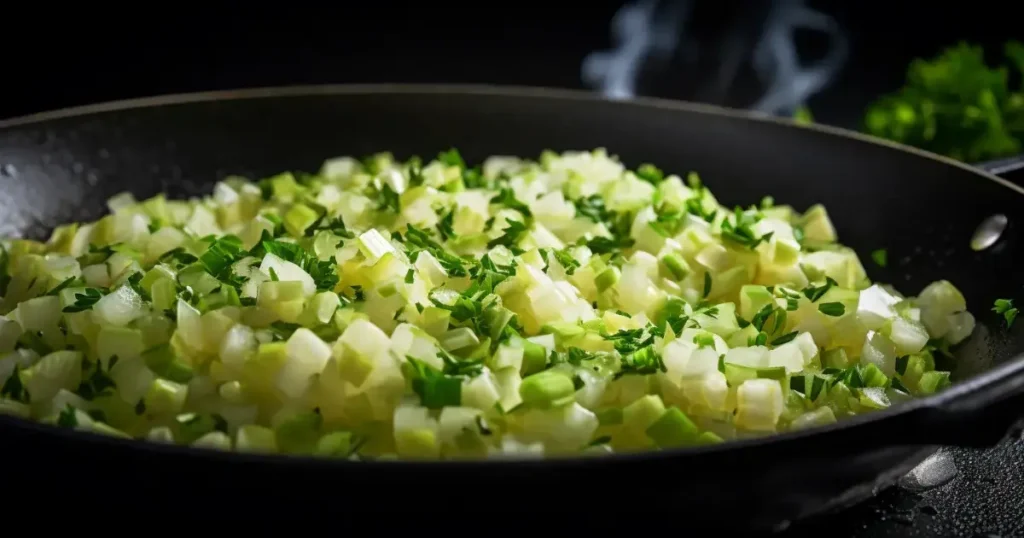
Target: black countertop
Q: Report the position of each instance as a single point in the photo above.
(985, 498)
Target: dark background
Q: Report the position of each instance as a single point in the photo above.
(64, 58)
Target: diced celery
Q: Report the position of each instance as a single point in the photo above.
(607, 278)
(546, 389)
(873, 398)
(165, 397)
(535, 357)
(254, 438)
(118, 342)
(873, 376)
(817, 226)
(643, 413)
(674, 428)
(307, 355)
(817, 417)
(676, 266)
(416, 433)
(708, 438)
(753, 299)
(58, 370)
(563, 331)
(299, 433)
(759, 404)
(213, 440)
(835, 358)
(336, 444)
(298, 218)
(932, 382)
(880, 351)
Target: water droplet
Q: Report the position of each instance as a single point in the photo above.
(92, 178)
(904, 518)
(104, 153)
(77, 168)
(8, 170)
(989, 231)
(936, 470)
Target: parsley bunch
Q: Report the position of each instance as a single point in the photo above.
(957, 105)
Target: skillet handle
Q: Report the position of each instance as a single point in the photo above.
(1011, 169)
(986, 409)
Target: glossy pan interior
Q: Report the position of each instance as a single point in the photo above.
(62, 166)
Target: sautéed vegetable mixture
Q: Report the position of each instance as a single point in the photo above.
(385, 309)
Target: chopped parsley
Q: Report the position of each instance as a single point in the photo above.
(813, 293)
(13, 388)
(386, 199)
(435, 388)
(1005, 308)
(880, 257)
(786, 338)
(770, 319)
(606, 245)
(645, 361)
(72, 281)
(323, 272)
(566, 261)
(67, 417)
(451, 157)
(741, 232)
(510, 236)
(650, 173)
(221, 255)
(507, 198)
(178, 258)
(418, 240)
(592, 207)
(335, 226)
(84, 300)
(668, 222)
(832, 309)
(96, 382)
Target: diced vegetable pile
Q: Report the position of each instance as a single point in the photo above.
(382, 309)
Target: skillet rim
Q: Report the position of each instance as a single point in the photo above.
(309, 90)
(937, 402)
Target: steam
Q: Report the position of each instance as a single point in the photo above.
(639, 31)
(777, 62)
(648, 28)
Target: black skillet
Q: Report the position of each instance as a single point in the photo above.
(62, 166)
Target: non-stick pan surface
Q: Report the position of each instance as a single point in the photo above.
(62, 166)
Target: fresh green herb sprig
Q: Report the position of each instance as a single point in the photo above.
(956, 105)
